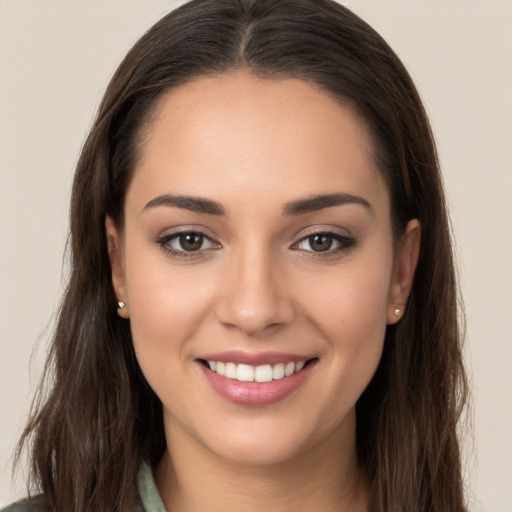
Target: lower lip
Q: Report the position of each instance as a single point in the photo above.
(255, 394)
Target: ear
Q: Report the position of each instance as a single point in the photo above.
(115, 253)
(406, 259)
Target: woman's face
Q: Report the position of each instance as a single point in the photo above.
(258, 266)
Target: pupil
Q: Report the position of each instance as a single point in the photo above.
(321, 243)
(191, 241)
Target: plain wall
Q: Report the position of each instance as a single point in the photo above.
(56, 58)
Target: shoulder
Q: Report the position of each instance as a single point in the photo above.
(33, 505)
(148, 501)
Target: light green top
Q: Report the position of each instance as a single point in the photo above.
(150, 499)
(148, 492)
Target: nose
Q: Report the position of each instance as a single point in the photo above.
(254, 298)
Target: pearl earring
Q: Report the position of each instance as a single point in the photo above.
(122, 309)
(397, 312)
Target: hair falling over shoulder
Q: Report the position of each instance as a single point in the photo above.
(96, 419)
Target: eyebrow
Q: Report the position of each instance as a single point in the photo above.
(192, 203)
(319, 202)
(298, 207)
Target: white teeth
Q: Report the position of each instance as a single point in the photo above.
(245, 373)
(299, 366)
(263, 373)
(230, 371)
(248, 373)
(278, 371)
(289, 369)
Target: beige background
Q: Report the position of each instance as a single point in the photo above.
(55, 60)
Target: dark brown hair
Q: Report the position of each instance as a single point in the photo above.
(99, 419)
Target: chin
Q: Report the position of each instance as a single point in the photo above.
(265, 441)
(259, 452)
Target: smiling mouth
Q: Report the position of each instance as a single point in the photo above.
(261, 373)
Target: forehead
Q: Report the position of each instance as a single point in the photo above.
(238, 132)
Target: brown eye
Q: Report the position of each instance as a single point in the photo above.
(320, 243)
(186, 243)
(328, 243)
(191, 241)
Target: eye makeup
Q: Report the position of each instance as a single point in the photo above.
(186, 243)
(190, 243)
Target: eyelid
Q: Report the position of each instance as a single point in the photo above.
(163, 241)
(345, 241)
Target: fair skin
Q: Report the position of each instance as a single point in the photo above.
(260, 276)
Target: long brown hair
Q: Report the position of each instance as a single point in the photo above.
(100, 420)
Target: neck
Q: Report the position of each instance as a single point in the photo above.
(327, 478)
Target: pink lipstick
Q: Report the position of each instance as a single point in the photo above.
(255, 379)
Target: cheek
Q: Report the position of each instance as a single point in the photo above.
(351, 297)
(167, 310)
(168, 304)
(351, 315)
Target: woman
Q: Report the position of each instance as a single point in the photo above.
(261, 312)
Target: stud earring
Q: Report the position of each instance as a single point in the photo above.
(397, 312)
(122, 309)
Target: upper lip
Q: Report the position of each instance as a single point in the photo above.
(254, 358)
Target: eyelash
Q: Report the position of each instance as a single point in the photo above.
(344, 242)
(165, 243)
